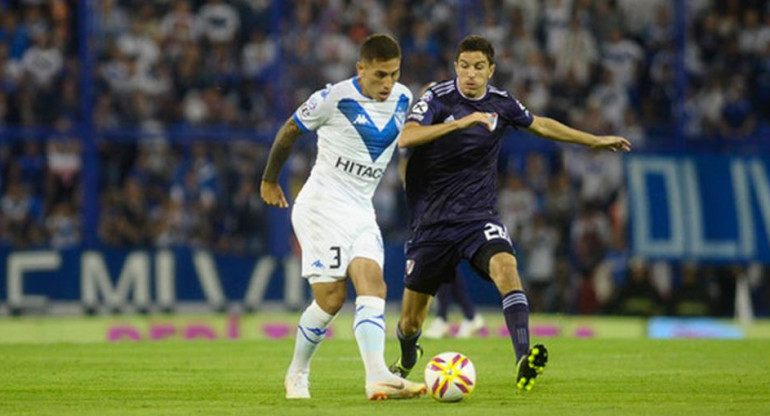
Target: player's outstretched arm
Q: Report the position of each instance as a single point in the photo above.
(415, 134)
(554, 130)
(284, 141)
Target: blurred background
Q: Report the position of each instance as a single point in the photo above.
(133, 135)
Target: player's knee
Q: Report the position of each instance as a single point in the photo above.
(331, 302)
(372, 287)
(331, 305)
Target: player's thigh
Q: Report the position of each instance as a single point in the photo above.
(490, 251)
(429, 264)
(324, 238)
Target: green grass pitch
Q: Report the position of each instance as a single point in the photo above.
(584, 377)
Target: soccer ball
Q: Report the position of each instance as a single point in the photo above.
(450, 377)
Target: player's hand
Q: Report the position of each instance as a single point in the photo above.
(476, 118)
(272, 194)
(613, 143)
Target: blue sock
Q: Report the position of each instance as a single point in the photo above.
(516, 311)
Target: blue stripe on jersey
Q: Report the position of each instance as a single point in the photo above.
(376, 140)
(358, 86)
(299, 123)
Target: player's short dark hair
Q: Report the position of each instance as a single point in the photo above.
(476, 43)
(380, 47)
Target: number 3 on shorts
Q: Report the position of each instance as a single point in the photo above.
(336, 258)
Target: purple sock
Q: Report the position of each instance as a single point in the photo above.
(443, 299)
(516, 311)
(460, 293)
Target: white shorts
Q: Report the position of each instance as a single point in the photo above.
(331, 236)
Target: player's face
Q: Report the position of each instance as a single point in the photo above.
(474, 71)
(377, 77)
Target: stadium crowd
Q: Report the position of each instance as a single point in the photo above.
(609, 67)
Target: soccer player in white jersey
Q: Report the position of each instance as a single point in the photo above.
(357, 121)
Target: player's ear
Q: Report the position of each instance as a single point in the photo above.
(491, 70)
(360, 65)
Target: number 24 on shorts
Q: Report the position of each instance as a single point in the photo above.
(493, 231)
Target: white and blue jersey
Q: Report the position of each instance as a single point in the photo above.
(333, 216)
(356, 139)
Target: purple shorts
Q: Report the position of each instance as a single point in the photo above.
(434, 251)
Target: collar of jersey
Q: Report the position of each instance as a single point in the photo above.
(358, 87)
(457, 85)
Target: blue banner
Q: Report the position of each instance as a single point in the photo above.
(711, 208)
(144, 278)
(164, 278)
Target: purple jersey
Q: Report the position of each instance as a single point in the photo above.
(454, 178)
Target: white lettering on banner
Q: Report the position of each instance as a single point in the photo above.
(699, 245)
(739, 176)
(23, 262)
(687, 236)
(762, 190)
(95, 280)
(209, 278)
(644, 242)
(165, 265)
(260, 277)
(293, 283)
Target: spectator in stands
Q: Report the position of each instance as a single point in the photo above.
(220, 21)
(20, 212)
(637, 296)
(691, 298)
(137, 45)
(258, 55)
(559, 204)
(590, 238)
(129, 223)
(517, 204)
(112, 18)
(737, 112)
(42, 63)
(575, 53)
(246, 223)
(63, 226)
(64, 166)
(539, 243)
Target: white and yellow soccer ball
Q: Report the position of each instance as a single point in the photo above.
(450, 377)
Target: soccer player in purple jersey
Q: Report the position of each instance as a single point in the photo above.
(454, 134)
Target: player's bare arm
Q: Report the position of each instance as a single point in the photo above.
(415, 134)
(270, 191)
(554, 130)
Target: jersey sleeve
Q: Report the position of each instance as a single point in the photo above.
(314, 112)
(517, 114)
(426, 110)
